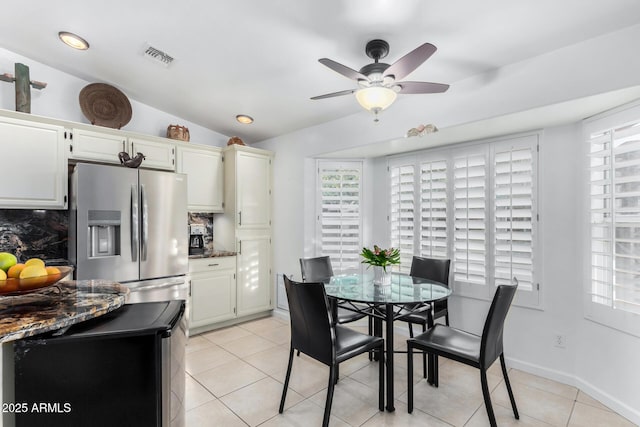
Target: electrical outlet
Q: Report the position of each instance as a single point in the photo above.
(559, 340)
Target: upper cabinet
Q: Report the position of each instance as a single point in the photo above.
(33, 169)
(104, 147)
(204, 167)
(249, 172)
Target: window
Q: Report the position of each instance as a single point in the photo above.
(433, 209)
(339, 221)
(474, 204)
(614, 222)
(402, 213)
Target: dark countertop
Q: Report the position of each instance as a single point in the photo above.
(58, 306)
(213, 254)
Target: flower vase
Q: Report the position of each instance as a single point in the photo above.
(380, 276)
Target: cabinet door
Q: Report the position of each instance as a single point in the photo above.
(254, 275)
(33, 172)
(97, 146)
(158, 155)
(213, 298)
(205, 178)
(253, 190)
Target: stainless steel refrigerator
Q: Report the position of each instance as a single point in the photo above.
(129, 225)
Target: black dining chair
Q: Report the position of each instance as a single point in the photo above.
(432, 269)
(319, 269)
(314, 334)
(464, 347)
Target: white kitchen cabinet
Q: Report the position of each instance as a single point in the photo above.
(254, 273)
(246, 224)
(96, 146)
(104, 146)
(205, 170)
(212, 292)
(158, 154)
(247, 175)
(33, 169)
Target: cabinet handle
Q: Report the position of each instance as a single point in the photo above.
(240, 251)
(123, 146)
(240, 218)
(213, 265)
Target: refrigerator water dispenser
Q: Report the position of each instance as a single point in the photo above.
(104, 233)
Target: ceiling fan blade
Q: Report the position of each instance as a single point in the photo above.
(412, 60)
(331, 95)
(342, 69)
(422, 87)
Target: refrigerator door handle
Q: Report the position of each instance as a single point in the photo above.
(145, 224)
(134, 223)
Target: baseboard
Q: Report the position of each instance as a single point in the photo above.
(632, 414)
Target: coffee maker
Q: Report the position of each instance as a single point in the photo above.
(196, 239)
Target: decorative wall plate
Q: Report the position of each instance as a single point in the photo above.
(105, 105)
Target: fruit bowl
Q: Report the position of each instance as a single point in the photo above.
(13, 286)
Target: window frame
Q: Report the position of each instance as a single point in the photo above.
(487, 148)
(323, 164)
(624, 321)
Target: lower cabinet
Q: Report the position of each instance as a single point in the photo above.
(254, 273)
(213, 290)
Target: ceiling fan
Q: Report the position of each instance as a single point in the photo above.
(379, 82)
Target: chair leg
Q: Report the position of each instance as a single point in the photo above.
(487, 397)
(298, 353)
(337, 373)
(446, 319)
(410, 378)
(370, 333)
(506, 381)
(424, 355)
(381, 379)
(410, 329)
(286, 381)
(327, 405)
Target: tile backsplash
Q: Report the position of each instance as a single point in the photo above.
(34, 233)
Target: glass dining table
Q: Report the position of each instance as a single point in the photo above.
(357, 292)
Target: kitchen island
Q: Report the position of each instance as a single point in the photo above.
(49, 309)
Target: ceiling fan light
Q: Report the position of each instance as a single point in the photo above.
(376, 98)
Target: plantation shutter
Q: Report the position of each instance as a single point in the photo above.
(340, 201)
(433, 209)
(470, 218)
(514, 217)
(615, 217)
(402, 213)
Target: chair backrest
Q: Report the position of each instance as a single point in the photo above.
(311, 330)
(316, 269)
(431, 268)
(491, 343)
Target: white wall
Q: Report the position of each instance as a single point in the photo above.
(59, 100)
(600, 360)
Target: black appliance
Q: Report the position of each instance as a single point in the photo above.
(125, 368)
(196, 239)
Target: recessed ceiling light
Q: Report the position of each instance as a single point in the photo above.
(244, 119)
(73, 40)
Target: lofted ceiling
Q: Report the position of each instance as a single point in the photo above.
(260, 57)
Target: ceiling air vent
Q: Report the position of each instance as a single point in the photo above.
(157, 55)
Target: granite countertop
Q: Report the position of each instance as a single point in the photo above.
(58, 306)
(214, 254)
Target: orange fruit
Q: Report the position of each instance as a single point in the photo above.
(52, 270)
(3, 276)
(14, 271)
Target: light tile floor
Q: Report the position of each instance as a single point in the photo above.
(235, 377)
